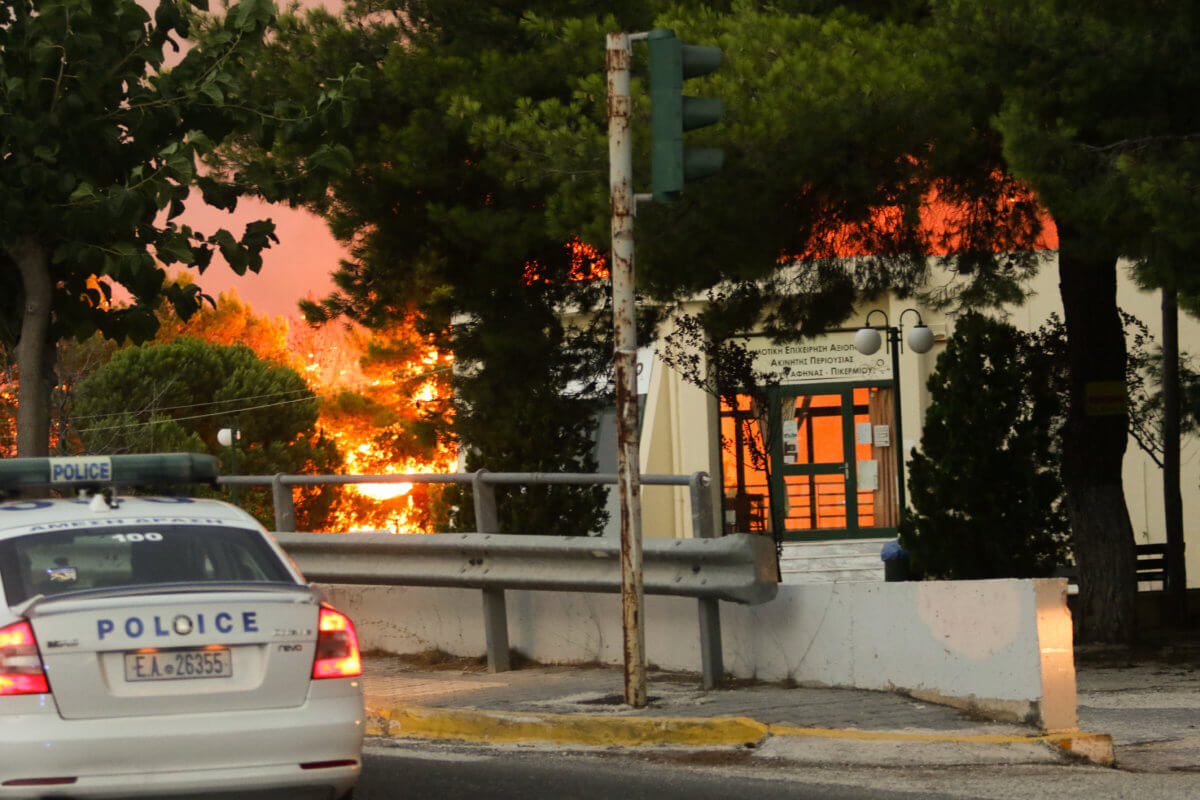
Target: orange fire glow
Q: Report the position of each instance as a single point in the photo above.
(372, 384)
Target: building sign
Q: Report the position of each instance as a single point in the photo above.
(1105, 398)
(830, 358)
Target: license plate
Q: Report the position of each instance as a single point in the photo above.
(178, 665)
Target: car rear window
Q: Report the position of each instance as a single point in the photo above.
(137, 555)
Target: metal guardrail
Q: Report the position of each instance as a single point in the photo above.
(483, 485)
(738, 568)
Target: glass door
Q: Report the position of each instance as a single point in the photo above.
(833, 468)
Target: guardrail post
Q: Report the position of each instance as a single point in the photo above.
(712, 660)
(702, 506)
(285, 504)
(711, 656)
(495, 630)
(495, 611)
(486, 520)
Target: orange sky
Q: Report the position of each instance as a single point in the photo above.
(300, 266)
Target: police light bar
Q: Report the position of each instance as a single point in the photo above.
(128, 470)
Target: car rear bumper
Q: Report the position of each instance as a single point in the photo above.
(208, 754)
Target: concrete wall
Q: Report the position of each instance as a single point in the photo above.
(1002, 647)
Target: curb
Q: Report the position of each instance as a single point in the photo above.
(506, 727)
(584, 729)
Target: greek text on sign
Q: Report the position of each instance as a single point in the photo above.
(830, 358)
(80, 468)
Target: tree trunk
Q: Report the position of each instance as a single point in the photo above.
(1172, 499)
(34, 348)
(1094, 443)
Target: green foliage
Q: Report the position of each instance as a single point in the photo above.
(985, 487)
(517, 416)
(100, 139)
(1094, 108)
(439, 220)
(176, 396)
(830, 115)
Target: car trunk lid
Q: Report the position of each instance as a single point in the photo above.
(175, 652)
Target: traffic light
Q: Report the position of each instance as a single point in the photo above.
(671, 113)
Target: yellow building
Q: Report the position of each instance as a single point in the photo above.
(831, 438)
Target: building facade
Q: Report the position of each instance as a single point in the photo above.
(815, 465)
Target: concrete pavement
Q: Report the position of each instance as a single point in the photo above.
(1138, 715)
(1150, 707)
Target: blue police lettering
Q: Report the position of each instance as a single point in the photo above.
(134, 627)
(62, 471)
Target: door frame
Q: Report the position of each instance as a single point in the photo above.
(848, 468)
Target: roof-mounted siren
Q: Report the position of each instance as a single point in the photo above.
(83, 472)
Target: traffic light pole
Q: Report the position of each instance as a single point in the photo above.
(620, 155)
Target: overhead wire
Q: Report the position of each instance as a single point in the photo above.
(224, 412)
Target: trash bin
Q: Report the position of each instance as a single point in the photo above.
(895, 562)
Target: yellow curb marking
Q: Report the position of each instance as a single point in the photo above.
(499, 726)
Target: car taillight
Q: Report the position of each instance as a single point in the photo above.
(337, 646)
(20, 665)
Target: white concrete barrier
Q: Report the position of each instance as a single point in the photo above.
(1000, 647)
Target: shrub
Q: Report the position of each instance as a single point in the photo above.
(985, 488)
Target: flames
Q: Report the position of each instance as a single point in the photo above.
(373, 386)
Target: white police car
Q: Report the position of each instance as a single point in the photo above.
(164, 646)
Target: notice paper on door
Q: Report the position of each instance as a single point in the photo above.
(862, 433)
(868, 475)
(883, 436)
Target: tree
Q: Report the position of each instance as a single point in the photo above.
(437, 224)
(229, 321)
(382, 393)
(1089, 112)
(176, 396)
(987, 496)
(98, 149)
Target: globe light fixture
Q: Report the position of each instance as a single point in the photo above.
(229, 437)
(920, 338)
(867, 341)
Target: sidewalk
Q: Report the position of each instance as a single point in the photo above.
(1148, 701)
(1143, 715)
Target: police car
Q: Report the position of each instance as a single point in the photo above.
(163, 646)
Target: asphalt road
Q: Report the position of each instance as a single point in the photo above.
(462, 773)
(423, 769)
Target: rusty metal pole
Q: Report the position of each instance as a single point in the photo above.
(620, 157)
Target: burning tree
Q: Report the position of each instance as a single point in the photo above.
(381, 393)
(386, 415)
(175, 396)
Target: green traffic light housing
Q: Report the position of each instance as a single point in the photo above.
(671, 113)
